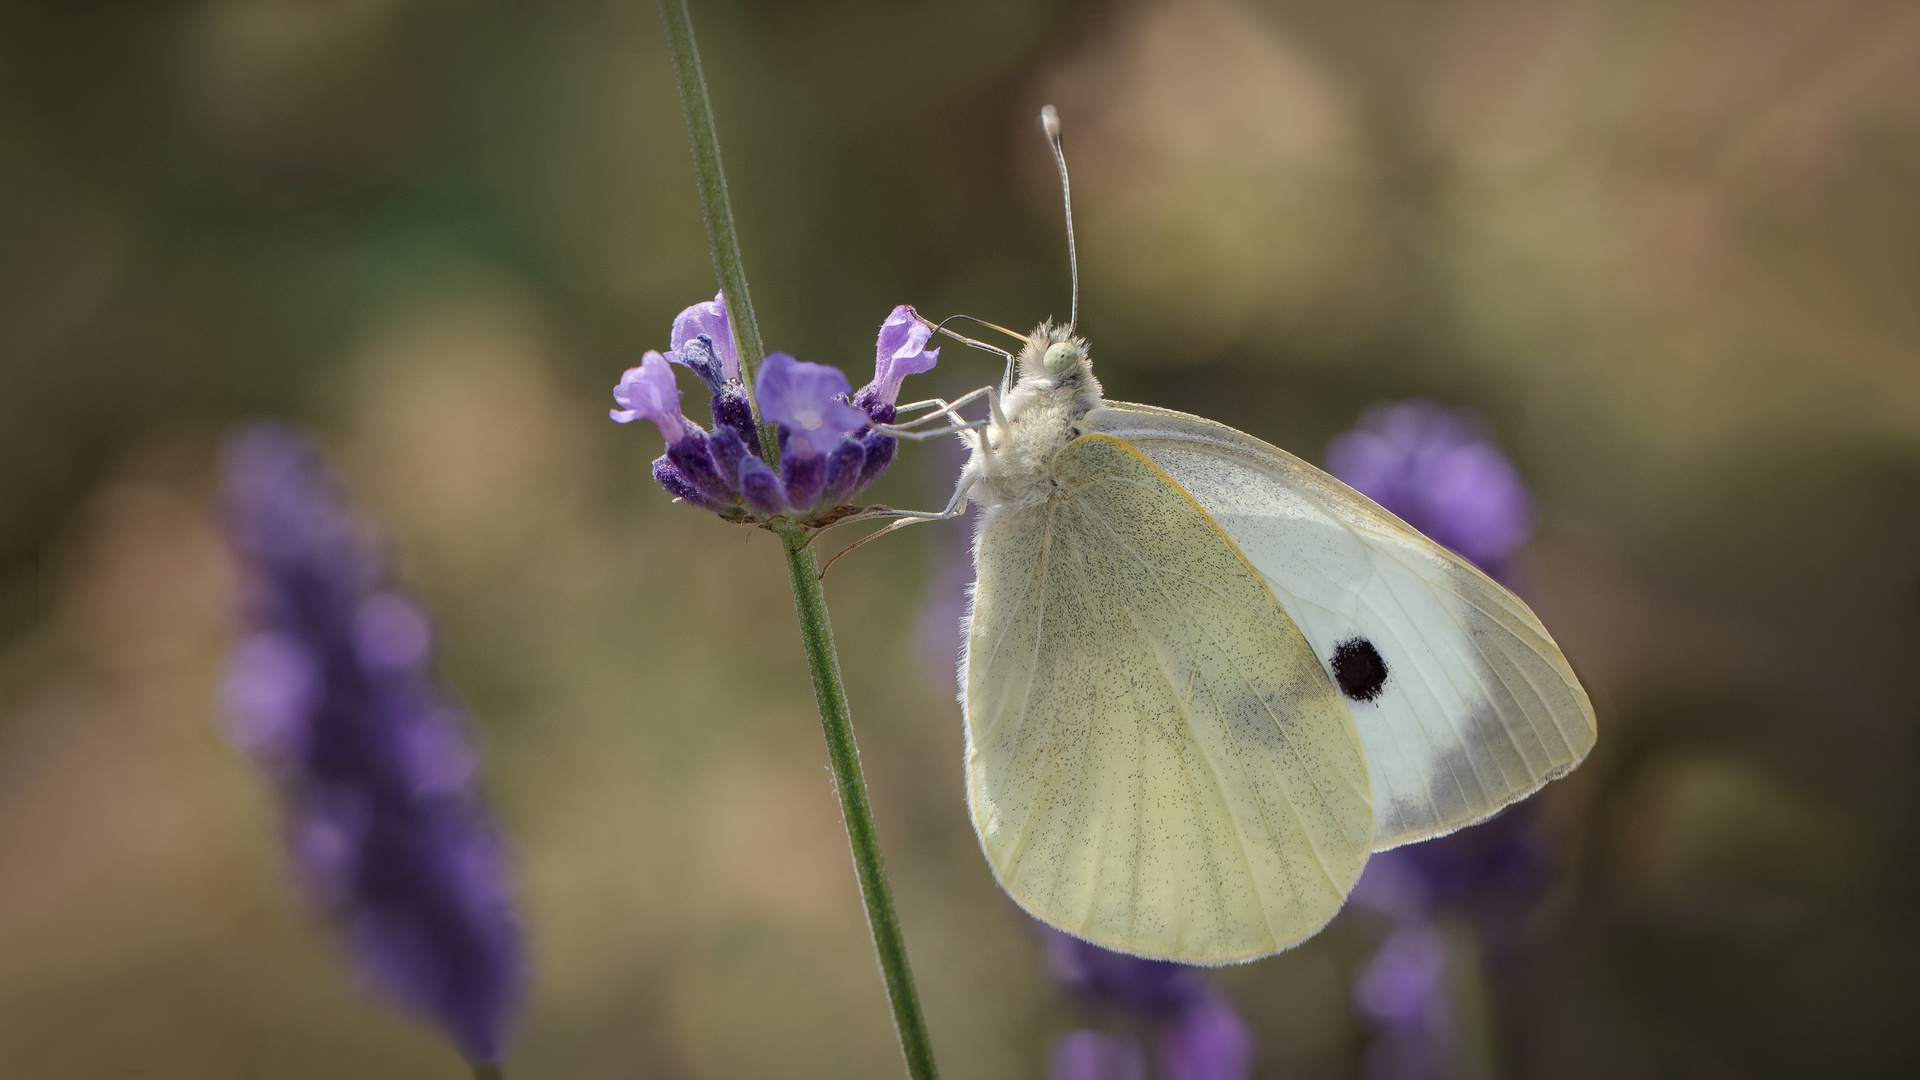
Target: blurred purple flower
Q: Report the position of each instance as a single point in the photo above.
(829, 451)
(1199, 1035)
(1094, 1055)
(330, 690)
(1149, 989)
(1440, 472)
(1207, 1041)
(1401, 994)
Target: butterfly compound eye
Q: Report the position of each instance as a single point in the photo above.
(1060, 356)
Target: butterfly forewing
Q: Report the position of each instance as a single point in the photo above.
(1156, 760)
(1474, 705)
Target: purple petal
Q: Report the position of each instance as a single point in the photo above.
(900, 352)
(648, 392)
(1091, 1055)
(708, 318)
(808, 401)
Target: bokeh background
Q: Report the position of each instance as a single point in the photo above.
(1670, 251)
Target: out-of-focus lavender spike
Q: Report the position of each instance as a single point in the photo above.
(1198, 1033)
(1207, 1041)
(330, 689)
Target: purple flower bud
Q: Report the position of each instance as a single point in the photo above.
(761, 488)
(1209, 1041)
(732, 410)
(901, 351)
(809, 403)
(879, 449)
(1091, 1055)
(694, 459)
(648, 391)
(728, 452)
(668, 476)
(803, 475)
(708, 320)
(845, 466)
(1440, 472)
(331, 690)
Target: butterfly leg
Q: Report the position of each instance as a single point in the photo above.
(903, 518)
(912, 429)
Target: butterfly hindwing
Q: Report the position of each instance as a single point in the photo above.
(1463, 702)
(1156, 761)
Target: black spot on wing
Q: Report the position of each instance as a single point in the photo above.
(1358, 669)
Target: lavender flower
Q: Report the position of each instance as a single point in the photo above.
(706, 328)
(1440, 472)
(829, 451)
(1198, 1033)
(330, 691)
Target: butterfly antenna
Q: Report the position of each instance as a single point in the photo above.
(1050, 123)
(1014, 334)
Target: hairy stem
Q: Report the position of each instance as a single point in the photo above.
(721, 238)
(811, 603)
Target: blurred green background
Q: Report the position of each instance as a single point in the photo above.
(1670, 250)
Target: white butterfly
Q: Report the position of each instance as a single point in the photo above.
(1205, 680)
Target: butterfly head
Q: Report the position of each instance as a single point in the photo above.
(1055, 354)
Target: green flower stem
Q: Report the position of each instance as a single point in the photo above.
(811, 602)
(721, 237)
(488, 1072)
(802, 568)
